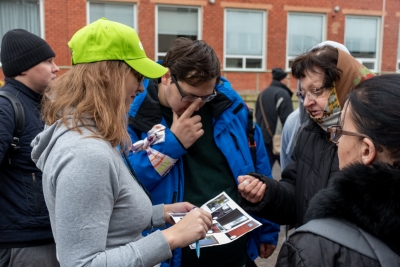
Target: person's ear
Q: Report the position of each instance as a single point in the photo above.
(166, 77)
(368, 151)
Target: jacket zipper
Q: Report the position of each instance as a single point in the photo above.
(35, 193)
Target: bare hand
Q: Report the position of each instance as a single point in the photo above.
(174, 208)
(191, 228)
(251, 188)
(186, 128)
(266, 250)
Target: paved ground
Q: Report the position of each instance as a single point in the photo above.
(271, 261)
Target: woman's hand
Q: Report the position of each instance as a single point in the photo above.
(251, 188)
(174, 208)
(189, 229)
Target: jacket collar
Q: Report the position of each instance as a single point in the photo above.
(281, 85)
(24, 89)
(366, 196)
(149, 112)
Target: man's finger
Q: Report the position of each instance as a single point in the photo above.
(175, 116)
(192, 108)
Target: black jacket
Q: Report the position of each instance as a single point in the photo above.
(24, 219)
(269, 98)
(314, 161)
(362, 195)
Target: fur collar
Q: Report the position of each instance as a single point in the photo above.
(369, 197)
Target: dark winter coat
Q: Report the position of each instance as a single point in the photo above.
(269, 98)
(314, 161)
(365, 196)
(24, 219)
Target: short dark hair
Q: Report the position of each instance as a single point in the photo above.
(192, 61)
(325, 58)
(375, 105)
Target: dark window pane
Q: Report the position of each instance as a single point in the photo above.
(165, 41)
(291, 62)
(253, 63)
(358, 54)
(234, 63)
(369, 65)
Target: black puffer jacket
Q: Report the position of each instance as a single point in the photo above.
(314, 162)
(362, 195)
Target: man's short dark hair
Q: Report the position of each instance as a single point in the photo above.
(192, 61)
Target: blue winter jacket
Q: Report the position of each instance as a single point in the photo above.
(24, 218)
(230, 120)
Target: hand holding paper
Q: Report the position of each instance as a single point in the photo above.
(192, 227)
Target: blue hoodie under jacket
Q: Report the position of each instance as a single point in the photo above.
(229, 119)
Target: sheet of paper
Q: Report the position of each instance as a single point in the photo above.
(230, 221)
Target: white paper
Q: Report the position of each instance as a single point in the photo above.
(230, 221)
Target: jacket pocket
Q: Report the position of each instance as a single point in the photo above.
(237, 146)
(35, 189)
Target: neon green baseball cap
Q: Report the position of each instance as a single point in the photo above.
(109, 40)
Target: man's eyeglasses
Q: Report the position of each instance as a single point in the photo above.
(313, 94)
(192, 98)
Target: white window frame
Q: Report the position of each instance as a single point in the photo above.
(135, 13)
(199, 23)
(324, 21)
(244, 57)
(398, 53)
(41, 21)
(376, 60)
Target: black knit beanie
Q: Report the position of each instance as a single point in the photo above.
(278, 74)
(21, 50)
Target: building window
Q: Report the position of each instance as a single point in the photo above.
(124, 13)
(305, 30)
(244, 40)
(174, 22)
(361, 38)
(22, 14)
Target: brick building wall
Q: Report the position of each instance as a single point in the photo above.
(62, 18)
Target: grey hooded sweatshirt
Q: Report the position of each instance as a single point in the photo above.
(97, 210)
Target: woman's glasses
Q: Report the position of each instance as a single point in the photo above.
(192, 98)
(313, 94)
(336, 132)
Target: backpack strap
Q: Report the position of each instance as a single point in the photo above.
(352, 237)
(19, 118)
(250, 137)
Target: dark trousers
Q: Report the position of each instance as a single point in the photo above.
(40, 256)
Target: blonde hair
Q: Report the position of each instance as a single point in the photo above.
(91, 91)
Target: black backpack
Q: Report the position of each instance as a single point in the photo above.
(19, 118)
(352, 237)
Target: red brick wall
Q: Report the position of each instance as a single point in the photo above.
(64, 17)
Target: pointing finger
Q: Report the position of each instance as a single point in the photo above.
(192, 108)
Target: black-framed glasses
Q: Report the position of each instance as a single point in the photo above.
(192, 98)
(313, 94)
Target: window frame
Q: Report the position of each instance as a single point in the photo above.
(41, 20)
(199, 27)
(134, 4)
(376, 61)
(323, 34)
(398, 52)
(263, 56)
